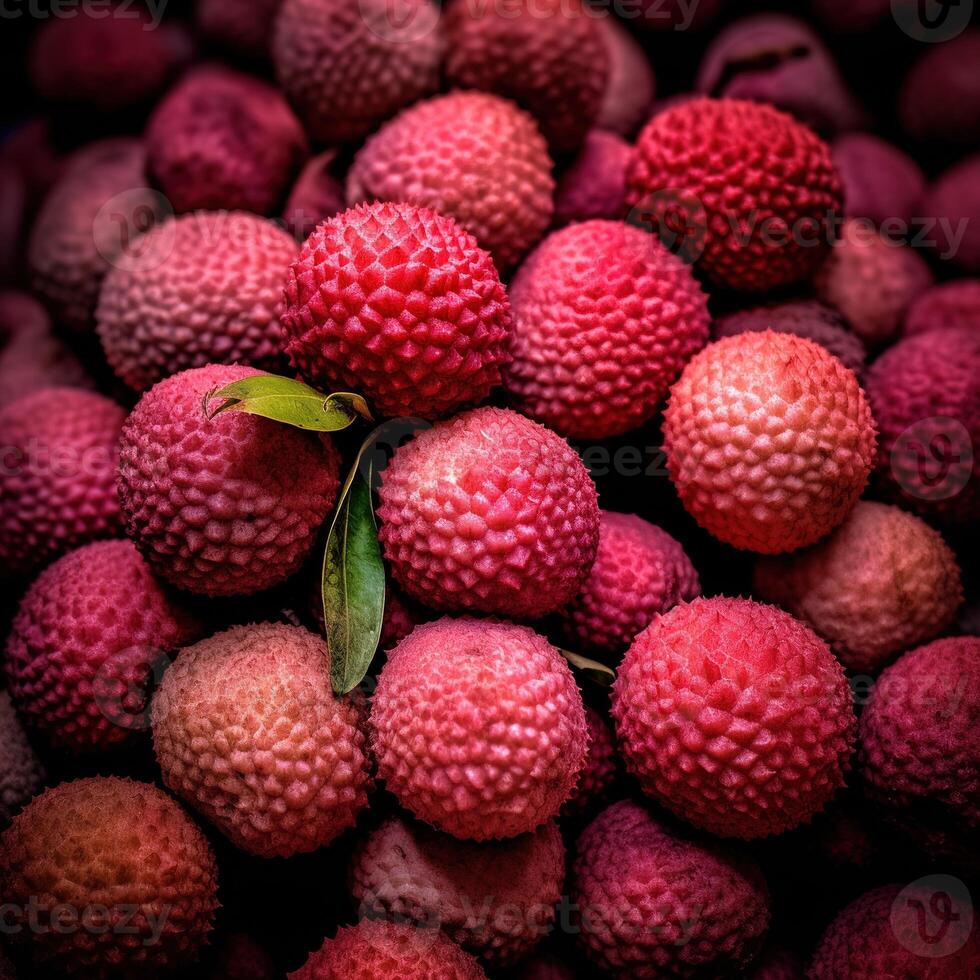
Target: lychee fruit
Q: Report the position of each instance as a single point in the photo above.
(316, 196)
(769, 441)
(594, 186)
(227, 505)
(655, 903)
(600, 772)
(953, 304)
(495, 899)
(242, 27)
(549, 56)
(478, 727)
(605, 318)
(21, 772)
(89, 635)
(807, 318)
(927, 405)
(120, 880)
(630, 85)
(400, 304)
(379, 950)
(882, 582)
(489, 511)
(346, 68)
(248, 732)
(871, 280)
(919, 756)
(223, 140)
(735, 716)
(742, 189)
(949, 208)
(640, 571)
(469, 155)
(199, 289)
(57, 482)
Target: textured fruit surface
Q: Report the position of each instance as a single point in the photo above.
(639, 571)
(949, 208)
(630, 86)
(400, 304)
(376, 950)
(202, 288)
(605, 318)
(478, 727)
(347, 68)
(881, 182)
(21, 772)
(741, 188)
(947, 305)
(805, 318)
(316, 196)
(248, 732)
(489, 511)
(57, 484)
(495, 899)
(549, 56)
(871, 280)
(919, 757)
(88, 635)
(661, 905)
(109, 852)
(594, 186)
(882, 582)
(221, 139)
(601, 768)
(927, 405)
(222, 506)
(769, 441)
(470, 155)
(881, 934)
(735, 716)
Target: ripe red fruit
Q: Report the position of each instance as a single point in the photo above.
(469, 155)
(947, 305)
(769, 441)
(881, 182)
(400, 304)
(21, 772)
(949, 208)
(630, 86)
(659, 904)
(224, 506)
(493, 698)
(605, 318)
(489, 511)
(739, 187)
(594, 186)
(735, 716)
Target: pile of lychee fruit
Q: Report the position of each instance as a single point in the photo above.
(469, 510)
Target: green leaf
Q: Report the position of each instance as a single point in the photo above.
(596, 671)
(287, 400)
(353, 582)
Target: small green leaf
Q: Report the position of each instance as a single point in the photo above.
(596, 671)
(287, 400)
(353, 582)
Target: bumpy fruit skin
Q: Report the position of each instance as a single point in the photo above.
(478, 727)
(248, 732)
(600, 772)
(805, 318)
(469, 155)
(224, 506)
(549, 56)
(769, 441)
(21, 772)
(88, 635)
(871, 281)
(223, 140)
(950, 206)
(927, 405)
(594, 186)
(346, 68)
(881, 182)
(400, 304)
(489, 511)
(605, 318)
(639, 572)
(881, 934)
(947, 305)
(111, 851)
(57, 484)
(241, 26)
(199, 289)
(316, 196)
(659, 904)
(882, 582)
(378, 950)
(919, 757)
(735, 716)
(495, 899)
(741, 188)
(630, 86)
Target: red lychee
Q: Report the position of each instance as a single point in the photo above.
(630, 86)
(949, 208)
(947, 305)
(881, 182)
(594, 186)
